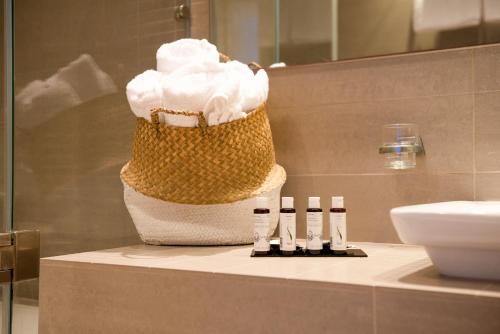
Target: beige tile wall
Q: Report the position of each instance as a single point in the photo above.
(468, 315)
(200, 19)
(67, 168)
(327, 119)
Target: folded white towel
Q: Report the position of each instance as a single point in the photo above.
(435, 15)
(144, 93)
(172, 56)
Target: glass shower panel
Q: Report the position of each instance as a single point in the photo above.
(73, 126)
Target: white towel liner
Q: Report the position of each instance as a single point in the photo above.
(165, 223)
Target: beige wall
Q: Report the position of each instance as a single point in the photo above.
(327, 118)
(200, 19)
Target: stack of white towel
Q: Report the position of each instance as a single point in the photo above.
(190, 77)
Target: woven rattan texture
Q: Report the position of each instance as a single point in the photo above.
(222, 164)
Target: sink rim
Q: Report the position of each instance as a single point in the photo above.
(461, 239)
(431, 225)
(446, 208)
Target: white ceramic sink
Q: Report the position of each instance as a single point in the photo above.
(461, 238)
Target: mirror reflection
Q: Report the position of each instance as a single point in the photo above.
(303, 32)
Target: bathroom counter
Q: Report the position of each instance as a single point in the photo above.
(222, 290)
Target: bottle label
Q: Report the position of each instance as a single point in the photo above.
(314, 239)
(288, 231)
(261, 237)
(338, 231)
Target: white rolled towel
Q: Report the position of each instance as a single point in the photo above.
(144, 93)
(172, 56)
(191, 78)
(202, 87)
(253, 88)
(224, 103)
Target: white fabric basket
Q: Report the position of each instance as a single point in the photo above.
(165, 223)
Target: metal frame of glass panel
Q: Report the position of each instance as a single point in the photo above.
(9, 148)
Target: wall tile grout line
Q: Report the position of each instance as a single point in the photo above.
(486, 91)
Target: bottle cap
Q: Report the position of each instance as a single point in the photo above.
(338, 202)
(314, 203)
(287, 202)
(261, 202)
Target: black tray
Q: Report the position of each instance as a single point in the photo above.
(300, 251)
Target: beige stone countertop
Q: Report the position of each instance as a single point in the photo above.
(387, 266)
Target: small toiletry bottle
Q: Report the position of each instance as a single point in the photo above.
(261, 238)
(338, 226)
(287, 226)
(314, 241)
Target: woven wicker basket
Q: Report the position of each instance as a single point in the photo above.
(197, 185)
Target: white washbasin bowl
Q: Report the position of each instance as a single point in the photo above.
(461, 238)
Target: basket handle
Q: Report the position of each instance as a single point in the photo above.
(225, 59)
(202, 121)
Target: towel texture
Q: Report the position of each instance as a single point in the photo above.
(144, 93)
(172, 56)
(191, 78)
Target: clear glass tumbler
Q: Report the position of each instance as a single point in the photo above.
(399, 146)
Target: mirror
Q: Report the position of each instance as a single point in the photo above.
(304, 32)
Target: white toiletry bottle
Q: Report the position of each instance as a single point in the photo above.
(338, 226)
(261, 239)
(287, 226)
(314, 241)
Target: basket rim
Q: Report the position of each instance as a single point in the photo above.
(221, 125)
(275, 178)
